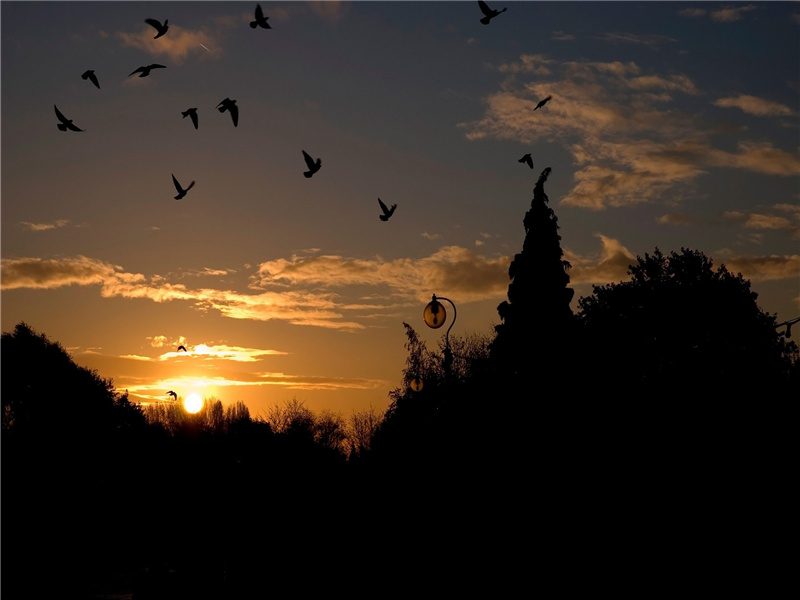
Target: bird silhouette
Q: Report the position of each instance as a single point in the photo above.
(261, 20)
(313, 166)
(182, 347)
(181, 191)
(387, 212)
(162, 29)
(145, 71)
(191, 112)
(490, 13)
(173, 394)
(230, 106)
(65, 122)
(542, 102)
(91, 77)
(527, 160)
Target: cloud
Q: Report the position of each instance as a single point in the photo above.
(561, 36)
(158, 341)
(47, 274)
(177, 44)
(328, 9)
(692, 12)
(629, 144)
(458, 270)
(154, 392)
(676, 219)
(610, 264)
(632, 38)
(790, 223)
(223, 352)
(765, 268)
(317, 291)
(755, 106)
(729, 14)
(45, 226)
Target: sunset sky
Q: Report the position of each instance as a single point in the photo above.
(671, 125)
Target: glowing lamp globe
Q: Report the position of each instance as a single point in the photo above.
(434, 314)
(416, 384)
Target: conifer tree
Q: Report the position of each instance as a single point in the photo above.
(536, 319)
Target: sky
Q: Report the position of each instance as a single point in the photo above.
(670, 125)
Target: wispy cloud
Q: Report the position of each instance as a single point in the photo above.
(221, 352)
(631, 38)
(788, 220)
(726, 14)
(472, 276)
(755, 106)
(765, 268)
(178, 43)
(57, 224)
(630, 145)
(318, 291)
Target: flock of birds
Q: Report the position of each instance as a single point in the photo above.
(229, 105)
(313, 165)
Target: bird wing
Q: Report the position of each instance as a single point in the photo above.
(93, 78)
(155, 66)
(485, 8)
(259, 13)
(72, 127)
(154, 23)
(193, 116)
(177, 185)
(61, 117)
(309, 160)
(384, 208)
(234, 114)
(139, 70)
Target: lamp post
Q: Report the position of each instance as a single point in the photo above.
(788, 332)
(435, 316)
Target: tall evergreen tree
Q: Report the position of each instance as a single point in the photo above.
(536, 319)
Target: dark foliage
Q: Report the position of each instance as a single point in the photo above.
(679, 326)
(536, 318)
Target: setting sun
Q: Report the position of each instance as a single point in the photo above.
(193, 403)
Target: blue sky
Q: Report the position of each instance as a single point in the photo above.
(671, 125)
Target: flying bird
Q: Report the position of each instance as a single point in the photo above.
(490, 13)
(145, 71)
(230, 105)
(65, 122)
(527, 160)
(542, 102)
(387, 212)
(313, 166)
(162, 29)
(261, 20)
(173, 394)
(182, 347)
(181, 191)
(91, 77)
(191, 112)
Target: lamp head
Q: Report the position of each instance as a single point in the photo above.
(434, 314)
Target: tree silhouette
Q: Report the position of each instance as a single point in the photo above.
(681, 326)
(42, 388)
(537, 320)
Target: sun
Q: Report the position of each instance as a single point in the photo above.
(193, 403)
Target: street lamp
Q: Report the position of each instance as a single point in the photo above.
(435, 315)
(788, 332)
